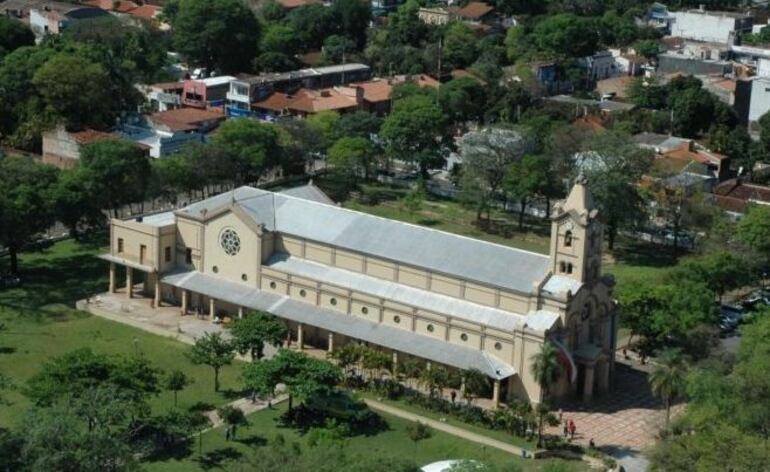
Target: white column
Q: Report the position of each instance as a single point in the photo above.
(331, 342)
(496, 394)
(129, 282)
(240, 312)
(156, 279)
(462, 387)
(300, 337)
(112, 277)
(588, 385)
(184, 302)
(212, 309)
(395, 363)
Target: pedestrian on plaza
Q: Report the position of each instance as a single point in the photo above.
(227, 433)
(566, 429)
(591, 443)
(453, 394)
(572, 429)
(560, 413)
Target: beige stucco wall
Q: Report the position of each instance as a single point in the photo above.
(233, 268)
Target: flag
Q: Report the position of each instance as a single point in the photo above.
(566, 360)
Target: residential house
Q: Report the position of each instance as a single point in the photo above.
(306, 102)
(598, 66)
(680, 152)
(61, 148)
(204, 93)
(659, 17)
(54, 17)
(167, 132)
(434, 15)
(337, 276)
(476, 12)
(245, 91)
(163, 96)
(714, 26)
(752, 98)
(734, 196)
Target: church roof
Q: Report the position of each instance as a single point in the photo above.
(438, 251)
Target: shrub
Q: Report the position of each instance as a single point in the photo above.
(418, 431)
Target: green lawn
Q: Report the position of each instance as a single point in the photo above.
(41, 323)
(221, 455)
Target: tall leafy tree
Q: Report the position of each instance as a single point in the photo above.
(754, 230)
(413, 133)
(176, 381)
(252, 146)
(487, 156)
(352, 19)
(566, 35)
(218, 34)
(304, 377)
(213, 350)
(26, 202)
(352, 158)
(256, 329)
(462, 99)
(526, 179)
(460, 46)
(119, 172)
(13, 35)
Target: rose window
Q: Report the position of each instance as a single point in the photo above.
(230, 242)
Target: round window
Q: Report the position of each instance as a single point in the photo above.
(273, 285)
(431, 328)
(333, 301)
(230, 242)
(244, 277)
(397, 319)
(215, 269)
(364, 310)
(498, 346)
(464, 337)
(302, 293)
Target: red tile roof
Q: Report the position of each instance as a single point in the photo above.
(313, 101)
(88, 136)
(475, 10)
(734, 188)
(146, 11)
(183, 119)
(375, 91)
(704, 157)
(120, 6)
(276, 102)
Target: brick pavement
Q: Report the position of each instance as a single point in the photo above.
(628, 418)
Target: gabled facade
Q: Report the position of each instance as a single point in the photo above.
(338, 276)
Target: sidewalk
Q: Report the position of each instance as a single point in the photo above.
(245, 405)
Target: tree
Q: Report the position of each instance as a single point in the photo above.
(462, 99)
(487, 156)
(214, 351)
(216, 34)
(720, 270)
(304, 377)
(566, 35)
(312, 23)
(352, 19)
(26, 203)
(336, 49)
(254, 330)
(60, 84)
(352, 158)
(118, 170)
(13, 35)
(177, 381)
(435, 379)
(681, 210)
(460, 46)
(649, 48)
(325, 124)
(359, 124)
(692, 111)
(280, 38)
(252, 147)
(413, 133)
(76, 200)
(668, 379)
(528, 178)
(546, 370)
(232, 417)
(613, 165)
(476, 384)
(754, 230)
(645, 92)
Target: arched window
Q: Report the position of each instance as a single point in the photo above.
(569, 268)
(568, 239)
(562, 267)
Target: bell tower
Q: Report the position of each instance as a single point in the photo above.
(576, 235)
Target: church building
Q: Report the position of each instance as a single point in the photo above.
(338, 276)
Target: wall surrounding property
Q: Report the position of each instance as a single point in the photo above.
(59, 149)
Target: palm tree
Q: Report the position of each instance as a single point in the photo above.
(668, 379)
(546, 370)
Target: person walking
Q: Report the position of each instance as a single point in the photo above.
(453, 394)
(572, 429)
(566, 428)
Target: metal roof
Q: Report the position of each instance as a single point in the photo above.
(393, 338)
(561, 284)
(397, 292)
(309, 192)
(438, 251)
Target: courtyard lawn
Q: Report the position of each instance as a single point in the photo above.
(219, 454)
(41, 323)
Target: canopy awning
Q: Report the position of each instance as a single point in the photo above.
(389, 337)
